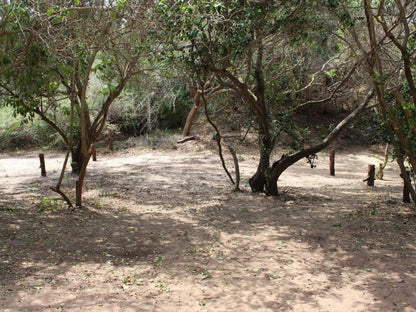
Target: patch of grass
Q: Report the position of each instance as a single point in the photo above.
(163, 287)
(206, 275)
(49, 204)
(8, 208)
(159, 260)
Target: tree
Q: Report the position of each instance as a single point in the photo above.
(392, 33)
(388, 47)
(17, 31)
(75, 44)
(202, 92)
(252, 47)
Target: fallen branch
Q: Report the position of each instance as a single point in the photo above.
(186, 139)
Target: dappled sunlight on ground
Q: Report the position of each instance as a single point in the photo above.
(163, 231)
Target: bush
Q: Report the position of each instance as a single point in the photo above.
(162, 107)
(17, 133)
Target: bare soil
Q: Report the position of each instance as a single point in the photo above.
(162, 230)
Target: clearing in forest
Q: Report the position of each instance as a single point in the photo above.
(162, 231)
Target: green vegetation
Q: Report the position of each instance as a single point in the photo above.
(72, 73)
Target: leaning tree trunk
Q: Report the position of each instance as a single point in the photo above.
(199, 100)
(273, 173)
(190, 121)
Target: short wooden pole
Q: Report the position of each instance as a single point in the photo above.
(42, 165)
(406, 193)
(371, 175)
(93, 152)
(110, 143)
(332, 163)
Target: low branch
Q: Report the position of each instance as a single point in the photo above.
(37, 111)
(236, 167)
(218, 140)
(186, 139)
(285, 162)
(57, 189)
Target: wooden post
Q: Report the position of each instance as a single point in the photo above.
(110, 143)
(406, 193)
(332, 163)
(93, 152)
(371, 175)
(42, 165)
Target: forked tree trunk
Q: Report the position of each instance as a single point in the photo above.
(259, 180)
(198, 101)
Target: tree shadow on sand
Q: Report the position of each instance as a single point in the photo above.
(157, 239)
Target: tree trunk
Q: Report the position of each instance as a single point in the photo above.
(332, 163)
(259, 180)
(190, 121)
(80, 182)
(262, 180)
(271, 184)
(200, 98)
(371, 175)
(42, 165)
(76, 159)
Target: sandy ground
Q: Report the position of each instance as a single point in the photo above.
(163, 231)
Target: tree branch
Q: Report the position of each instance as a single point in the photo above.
(285, 162)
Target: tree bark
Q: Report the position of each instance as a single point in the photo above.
(199, 100)
(261, 181)
(190, 121)
(80, 182)
(258, 180)
(332, 163)
(406, 192)
(110, 143)
(93, 152)
(389, 112)
(371, 175)
(76, 158)
(42, 165)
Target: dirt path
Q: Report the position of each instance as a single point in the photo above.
(163, 232)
